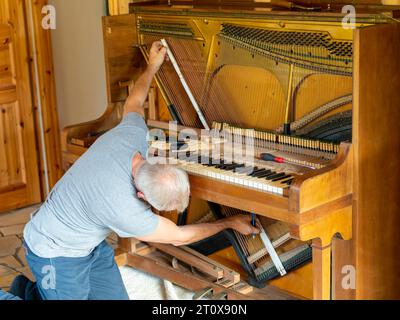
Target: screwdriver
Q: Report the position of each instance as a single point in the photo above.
(271, 157)
(253, 222)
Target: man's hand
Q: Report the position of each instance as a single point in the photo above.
(157, 56)
(138, 95)
(242, 224)
(169, 232)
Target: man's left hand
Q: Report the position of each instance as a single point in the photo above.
(157, 56)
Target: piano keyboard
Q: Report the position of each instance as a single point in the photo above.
(259, 178)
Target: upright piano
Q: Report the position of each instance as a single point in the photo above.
(310, 86)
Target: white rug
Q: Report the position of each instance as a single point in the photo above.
(143, 286)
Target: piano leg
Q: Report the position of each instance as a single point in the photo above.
(321, 270)
(321, 232)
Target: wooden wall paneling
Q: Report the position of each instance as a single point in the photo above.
(123, 59)
(377, 163)
(19, 178)
(46, 85)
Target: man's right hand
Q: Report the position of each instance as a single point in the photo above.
(242, 224)
(157, 56)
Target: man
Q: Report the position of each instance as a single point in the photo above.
(111, 188)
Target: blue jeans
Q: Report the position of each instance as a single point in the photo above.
(95, 277)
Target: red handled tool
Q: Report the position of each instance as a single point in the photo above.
(271, 157)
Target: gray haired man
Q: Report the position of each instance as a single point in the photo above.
(111, 188)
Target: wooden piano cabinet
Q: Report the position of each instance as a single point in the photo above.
(324, 197)
(321, 232)
(376, 142)
(319, 206)
(349, 210)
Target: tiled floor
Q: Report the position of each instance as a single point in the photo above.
(12, 256)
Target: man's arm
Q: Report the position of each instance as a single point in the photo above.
(169, 232)
(139, 93)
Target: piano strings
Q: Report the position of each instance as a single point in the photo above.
(252, 251)
(244, 79)
(260, 79)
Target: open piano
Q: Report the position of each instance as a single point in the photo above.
(310, 90)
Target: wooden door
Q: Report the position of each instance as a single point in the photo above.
(19, 176)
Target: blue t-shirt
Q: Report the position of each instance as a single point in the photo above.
(95, 197)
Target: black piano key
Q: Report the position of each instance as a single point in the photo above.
(266, 174)
(281, 178)
(258, 171)
(219, 165)
(289, 182)
(250, 170)
(285, 180)
(210, 163)
(261, 173)
(275, 176)
(231, 167)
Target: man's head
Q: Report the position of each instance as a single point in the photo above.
(164, 187)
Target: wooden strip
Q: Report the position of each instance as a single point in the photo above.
(243, 287)
(190, 259)
(263, 252)
(256, 256)
(120, 258)
(226, 283)
(165, 126)
(228, 273)
(261, 203)
(194, 283)
(47, 89)
(77, 150)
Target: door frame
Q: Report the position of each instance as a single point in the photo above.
(33, 43)
(44, 95)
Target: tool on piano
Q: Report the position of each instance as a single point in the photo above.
(299, 156)
(253, 222)
(261, 258)
(271, 157)
(271, 251)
